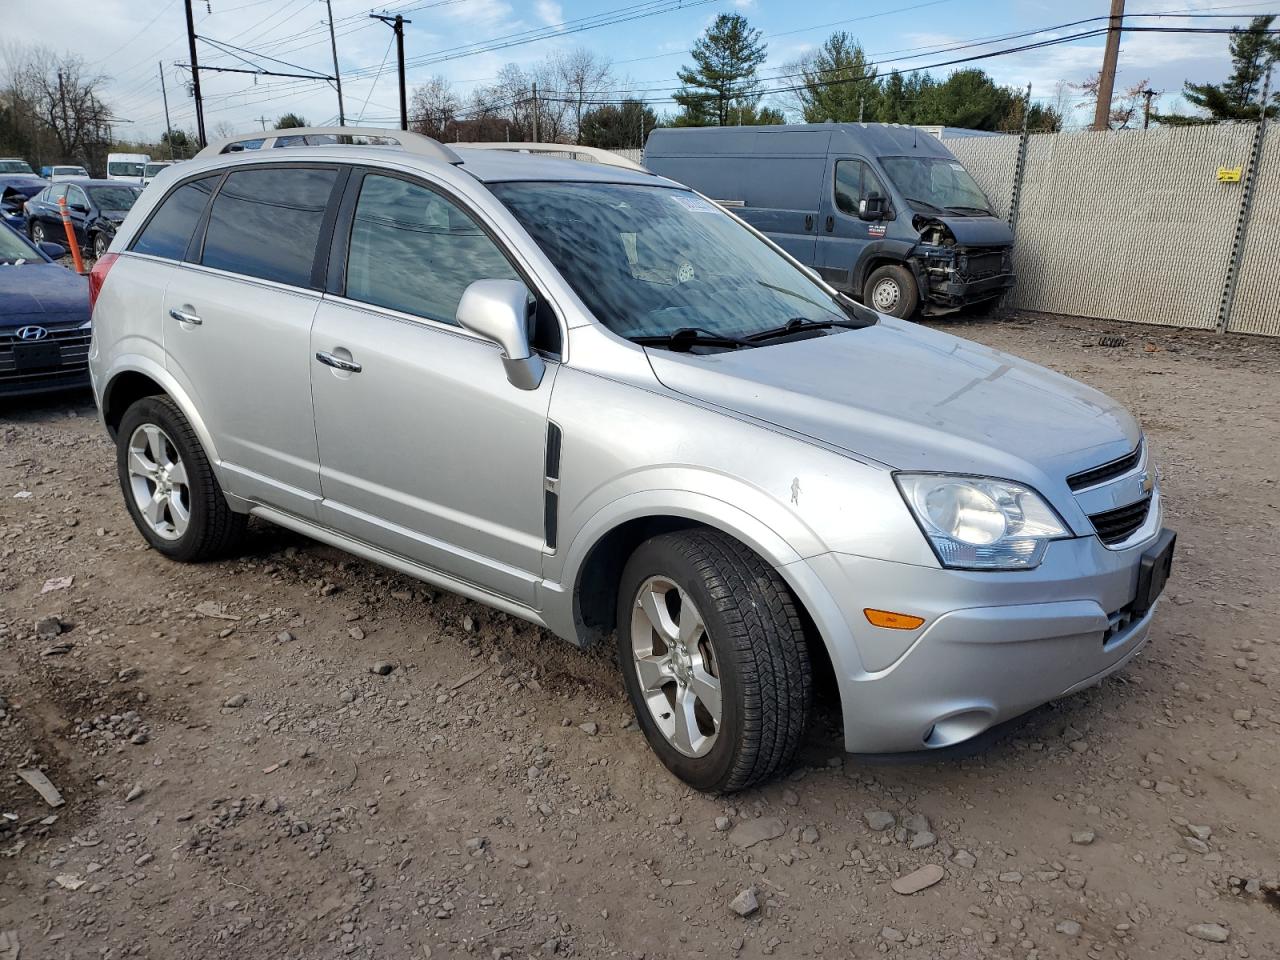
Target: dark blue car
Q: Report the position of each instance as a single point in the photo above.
(96, 208)
(15, 190)
(44, 318)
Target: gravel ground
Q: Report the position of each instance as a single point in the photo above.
(299, 755)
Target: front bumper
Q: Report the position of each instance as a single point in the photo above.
(993, 646)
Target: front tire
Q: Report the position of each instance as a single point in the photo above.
(100, 245)
(714, 659)
(169, 486)
(38, 234)
(891, 289)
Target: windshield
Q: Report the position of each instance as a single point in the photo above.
(122, 168)
(72, 171)
(649, 261)
(13, 247)
(937, 182)
(114, 198)
(15, 166)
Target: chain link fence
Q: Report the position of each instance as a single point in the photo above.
(1176, 225)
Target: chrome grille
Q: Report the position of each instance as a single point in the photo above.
(74, 344)
(1107, 471)
(1118, 525)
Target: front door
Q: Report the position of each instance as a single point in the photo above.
(844, 236)
(426, 450)
(237, 330)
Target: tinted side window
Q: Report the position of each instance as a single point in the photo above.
(266, 223)
(57, 191)
(169, 230)
(76, 197)
(413, 250)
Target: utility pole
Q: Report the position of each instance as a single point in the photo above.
(397, 24)
(1147, 94)
(195, 75)
(535, 112)
(1107, 77)
(165, 96)
(337, 76)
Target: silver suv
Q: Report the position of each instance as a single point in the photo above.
(592, 398)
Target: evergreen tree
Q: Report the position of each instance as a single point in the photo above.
(615, 126)
(723, 77)
(1253, 52)
(839, 83)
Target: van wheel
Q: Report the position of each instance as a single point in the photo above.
(714, 659)
(169, 486)
(891, 289)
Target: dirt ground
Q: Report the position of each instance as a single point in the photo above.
(239, 782)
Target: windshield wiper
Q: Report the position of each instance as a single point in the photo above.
(686, 337)
(981, 211)
(803, 325)
(926, 203)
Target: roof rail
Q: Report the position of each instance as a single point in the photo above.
(404, 140)
(568, 150)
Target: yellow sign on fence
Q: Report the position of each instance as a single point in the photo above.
(1230, 174)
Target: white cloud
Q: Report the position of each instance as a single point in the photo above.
(549, 12)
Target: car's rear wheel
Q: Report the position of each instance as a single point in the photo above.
(38, 232)
(713, 656)
(891, 289)
(169, 486)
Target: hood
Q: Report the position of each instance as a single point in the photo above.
(42, 293)
(115, 216)
(974, 231)
(914, 399)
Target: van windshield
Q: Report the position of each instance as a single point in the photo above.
(124, 168)
(650, 261)
(15, 166)
(937, 182)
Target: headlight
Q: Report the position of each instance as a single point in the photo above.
(979, 523)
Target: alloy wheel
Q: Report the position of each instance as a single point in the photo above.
(158, 481)
(676, 666)
(37, 233)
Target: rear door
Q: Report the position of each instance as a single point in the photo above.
(844, 237)
(238, 326)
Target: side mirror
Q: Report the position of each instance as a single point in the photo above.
(54, 251)
(499, 311)
(79, 208)
(872, 208)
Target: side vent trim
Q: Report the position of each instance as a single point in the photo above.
(551, 486)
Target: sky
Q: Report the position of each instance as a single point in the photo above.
(129, 42)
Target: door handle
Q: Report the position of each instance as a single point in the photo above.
(808, 222)
(182, 316)
(830, 224)
(329, 360)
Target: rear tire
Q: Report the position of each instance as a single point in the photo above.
(727, 703)
(891, 289)
(169, 486)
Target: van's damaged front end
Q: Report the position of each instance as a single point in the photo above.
(960, 261)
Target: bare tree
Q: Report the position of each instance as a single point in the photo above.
(1126, 107)
(434, 108)
(582, 78)
(64, 98)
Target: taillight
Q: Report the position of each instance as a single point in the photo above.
(98, 276)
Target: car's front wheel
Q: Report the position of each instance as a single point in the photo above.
(169, 486)
(891, 289)
(713, 656)
(38, 233)
(100, 245)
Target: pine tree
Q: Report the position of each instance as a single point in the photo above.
(1253, 52)
(723, 78)
(839, 83)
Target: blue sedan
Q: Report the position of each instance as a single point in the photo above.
(44, 318)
